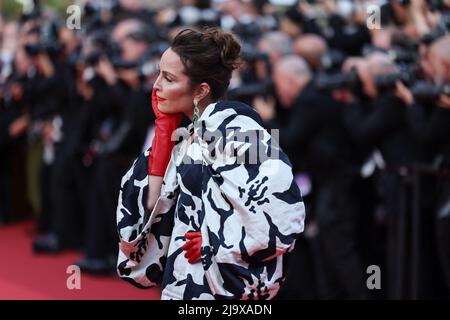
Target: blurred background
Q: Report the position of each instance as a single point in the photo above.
(360, 91)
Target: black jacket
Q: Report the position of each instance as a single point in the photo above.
(313, 135)
(384, 126)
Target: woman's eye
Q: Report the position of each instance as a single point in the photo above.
(168, 79)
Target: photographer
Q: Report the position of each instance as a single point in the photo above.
(312, 133)
(346, 26)
(387, 113)
(383, 125)
(433, 132)
(38, 93)
(14, 122)
(62, 229)
(47, 92)
(119, 126)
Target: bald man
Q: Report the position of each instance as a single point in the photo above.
(290, 76)
(311, 48)
(277, 44)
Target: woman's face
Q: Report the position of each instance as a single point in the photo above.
(172, 86)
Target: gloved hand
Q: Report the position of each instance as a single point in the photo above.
(162, 143)
(193, 247)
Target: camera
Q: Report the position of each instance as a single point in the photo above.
(102, 46)
(429, 38)
(92, 58)
(332, 61)
(335, 81)
(252, 84)
(251, 54)
(403, 56)
(428, 91)
(332, 78)
(48, 40)
(34, 49)
(388, 82)
(147, 64)
(248, 91)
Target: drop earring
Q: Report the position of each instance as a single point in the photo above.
(195, 112)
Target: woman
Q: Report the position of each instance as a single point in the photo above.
(227, 210)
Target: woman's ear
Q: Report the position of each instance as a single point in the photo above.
(202, 91)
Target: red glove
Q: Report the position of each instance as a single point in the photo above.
(193, 247)
(162, 143)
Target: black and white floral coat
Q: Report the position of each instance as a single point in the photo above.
(228, 179)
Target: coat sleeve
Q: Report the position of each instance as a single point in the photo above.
(253, 210)
(144, 238)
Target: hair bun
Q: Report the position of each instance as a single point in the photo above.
(227, 44)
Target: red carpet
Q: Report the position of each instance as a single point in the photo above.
(25, 275)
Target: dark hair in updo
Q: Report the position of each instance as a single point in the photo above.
(208, 55)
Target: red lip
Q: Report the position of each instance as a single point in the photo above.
(160, 99)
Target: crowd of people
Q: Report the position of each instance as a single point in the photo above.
(362, 109)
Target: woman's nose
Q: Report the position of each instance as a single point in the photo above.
(157, 85)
